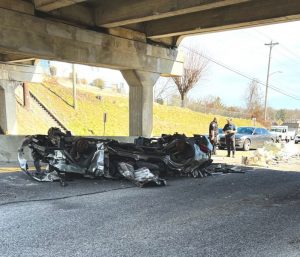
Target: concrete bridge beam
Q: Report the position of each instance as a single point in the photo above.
(8, 115)
(53, 40)
(50, 5)
(140, 101)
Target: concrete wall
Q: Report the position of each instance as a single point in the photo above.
(9, 146)
(8, 118)
(2, 108)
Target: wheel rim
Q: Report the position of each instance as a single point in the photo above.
(247, 144)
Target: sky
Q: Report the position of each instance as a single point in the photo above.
(89, 73)
(243, 50)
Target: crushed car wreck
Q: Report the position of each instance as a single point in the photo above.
(58, 156)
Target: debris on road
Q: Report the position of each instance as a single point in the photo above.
(59, 155)
(272, 154)
(216, 169)
(141, 176)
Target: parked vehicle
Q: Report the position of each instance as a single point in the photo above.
(283, 133)
(248, 138)
(293, 127)
(297, 139)
(220, 133)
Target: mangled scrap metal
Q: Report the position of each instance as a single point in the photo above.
(60, 155)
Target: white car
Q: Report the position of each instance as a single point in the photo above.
(297, 139)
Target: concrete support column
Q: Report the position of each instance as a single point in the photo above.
(26, 96)
(8, 114)
(140, 101)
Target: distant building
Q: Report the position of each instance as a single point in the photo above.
(117, 87)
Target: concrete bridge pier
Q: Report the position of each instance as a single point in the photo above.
(8, 114)
(12, 75)
(140, 101)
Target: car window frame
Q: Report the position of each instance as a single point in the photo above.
(264, 131)
(249, 128)
(257, 131)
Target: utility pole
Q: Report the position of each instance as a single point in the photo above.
(271, 45)
(74, 85)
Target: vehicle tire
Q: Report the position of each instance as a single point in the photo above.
(221, 147)
(246, 145)
(296, 142)
(287, 140)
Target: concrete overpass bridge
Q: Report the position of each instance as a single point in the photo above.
(137, 37)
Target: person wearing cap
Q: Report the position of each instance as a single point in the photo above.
(213, 134)
(229, 131)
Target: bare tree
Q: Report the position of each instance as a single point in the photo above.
(53, 71)
(163, 89)
(253, 100)
(195, 66)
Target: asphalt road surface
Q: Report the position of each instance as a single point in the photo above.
(251, 214)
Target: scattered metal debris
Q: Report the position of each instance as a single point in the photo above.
(140, 176)
(59, 155)
(217, 169)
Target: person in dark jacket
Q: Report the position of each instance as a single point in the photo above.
(229, 131)
(213, 134)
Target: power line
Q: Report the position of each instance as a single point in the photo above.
(282, 47)
(274, 88)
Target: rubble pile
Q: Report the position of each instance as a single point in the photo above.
(58, 156)
(272, 154)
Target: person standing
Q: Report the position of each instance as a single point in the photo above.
(229, 131)
(213, 134)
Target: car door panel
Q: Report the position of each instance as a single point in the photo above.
(260, 139)
(266, 136)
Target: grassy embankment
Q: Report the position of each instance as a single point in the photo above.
(30, 122)
(88, 118)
